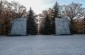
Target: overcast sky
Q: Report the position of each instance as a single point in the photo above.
(39, 5)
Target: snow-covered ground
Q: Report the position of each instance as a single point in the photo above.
(43, 45)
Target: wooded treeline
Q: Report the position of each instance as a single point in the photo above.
(74, 12)
(12, 10)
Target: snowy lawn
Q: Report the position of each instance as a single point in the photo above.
(42, 45)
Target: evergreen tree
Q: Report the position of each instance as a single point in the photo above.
(56, 9)
(31, 24)
(47, 26)
(55, 14)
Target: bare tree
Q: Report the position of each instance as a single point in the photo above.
(18, 8)
(9, 11)
(71, 11)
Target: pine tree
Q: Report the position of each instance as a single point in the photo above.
(31, 25)
(56, 9)
(55, 14)
(47, 26)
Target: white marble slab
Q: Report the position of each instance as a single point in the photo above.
(62, 26)
(19, 26)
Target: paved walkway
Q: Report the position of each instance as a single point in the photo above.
(43, 45)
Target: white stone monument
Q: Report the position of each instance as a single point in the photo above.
(62, 26)
(19, 26)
